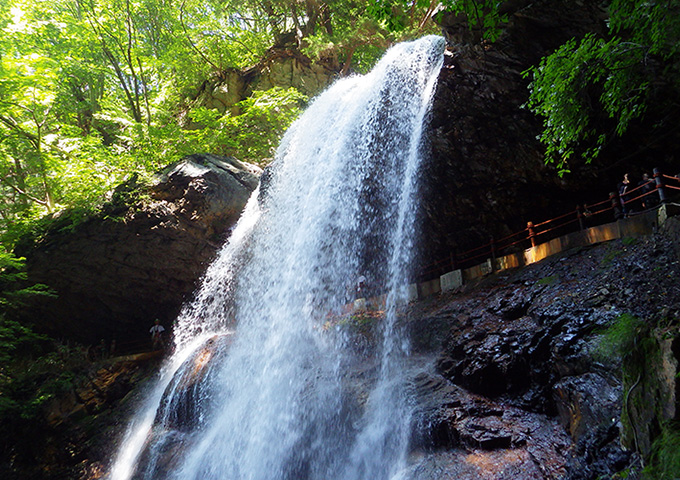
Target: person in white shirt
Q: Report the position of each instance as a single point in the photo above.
(157, 335)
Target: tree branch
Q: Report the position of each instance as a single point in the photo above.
(25, 194)
(191, 43)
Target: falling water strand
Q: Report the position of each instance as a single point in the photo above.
(262, 384)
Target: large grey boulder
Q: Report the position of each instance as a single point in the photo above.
(141, 259)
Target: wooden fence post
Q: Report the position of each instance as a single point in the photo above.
(659, 185)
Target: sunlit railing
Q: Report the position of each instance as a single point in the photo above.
(641, 199)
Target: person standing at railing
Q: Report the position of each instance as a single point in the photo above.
(647, 186)
(624, 188)
(361, 287)
(587, 216)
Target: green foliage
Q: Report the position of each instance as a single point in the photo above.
(91, 91)
(629, 241)
(356, 34)
(620, 338)
(401, 15)
(34, 370)
(357, 43)
(412, 17)
(13, 292)
(482, 15)
(589, 91)
(251, 136)
(549, 280)
(664, 463)
(17, 340)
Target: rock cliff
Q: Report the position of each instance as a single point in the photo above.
(486, 175)
(114, 273)
(536, 373)
(282, 66)
(513, 377)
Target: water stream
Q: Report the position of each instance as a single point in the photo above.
(260, 386)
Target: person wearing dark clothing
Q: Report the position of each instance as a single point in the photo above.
(156, 332)
(624, 194)
(587, 216)
(647, 187)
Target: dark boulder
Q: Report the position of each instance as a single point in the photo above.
(586, 402)
(115, 273)
(464, 436)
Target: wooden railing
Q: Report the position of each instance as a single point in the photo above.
(645, 197)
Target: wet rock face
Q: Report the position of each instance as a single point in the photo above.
(190, 392)
(518, 371)
(485, 174)
(586, 402)
(181, 412)
(466, 436)
(115, 275)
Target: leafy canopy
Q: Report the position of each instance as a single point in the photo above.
(94, 91)
(589, 91)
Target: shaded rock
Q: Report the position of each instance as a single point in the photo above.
(109, 384)
(485, 173)
(190, 391)
(510, 464)
(113, 275)
(652, 384)
(489, 356)
(282, 66)
(450, 416)
(536, 340)
(598, 454)
(586, 402)
(464, 436)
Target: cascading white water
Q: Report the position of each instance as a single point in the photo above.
(273, 399)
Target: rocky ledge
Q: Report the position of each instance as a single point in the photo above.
(523, 381)
(512, 377)
(141, 258)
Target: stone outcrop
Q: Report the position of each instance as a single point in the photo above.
(115, 273)
(652, 386)
(485, 174)
(478, 438)
(281, 67)
(522, 352)
(550, 406)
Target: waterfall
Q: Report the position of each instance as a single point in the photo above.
(264, 382)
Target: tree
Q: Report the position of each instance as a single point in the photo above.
(589, 91)
(91, 91)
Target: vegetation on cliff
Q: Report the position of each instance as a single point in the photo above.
(93, 91)
(591, 90)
